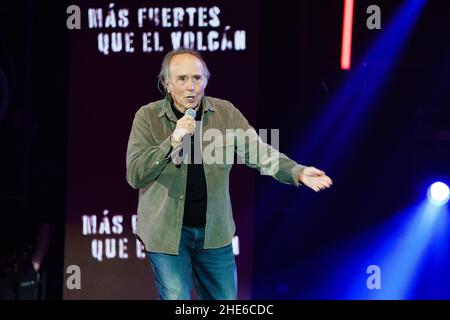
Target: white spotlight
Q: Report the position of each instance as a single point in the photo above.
(438, 193)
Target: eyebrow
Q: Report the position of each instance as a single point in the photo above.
(185, 75)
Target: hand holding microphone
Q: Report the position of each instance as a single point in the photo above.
(185, 125)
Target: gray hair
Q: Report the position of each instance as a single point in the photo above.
(163, 75)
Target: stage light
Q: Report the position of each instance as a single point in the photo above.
(438, 193)
(347, 28)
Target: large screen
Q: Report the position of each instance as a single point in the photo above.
(115, 56)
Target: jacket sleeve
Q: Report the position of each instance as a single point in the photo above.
(262, 156)
(145, 158)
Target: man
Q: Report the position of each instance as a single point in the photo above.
(185, 219)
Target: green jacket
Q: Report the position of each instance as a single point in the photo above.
(162, 184)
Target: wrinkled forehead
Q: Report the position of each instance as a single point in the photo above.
(185, 64)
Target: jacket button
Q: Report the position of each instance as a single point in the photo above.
(181, 197)
(157, 162)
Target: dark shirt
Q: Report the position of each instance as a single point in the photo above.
(196, 194)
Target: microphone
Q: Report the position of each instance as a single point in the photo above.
(191, 112)
(177, 153)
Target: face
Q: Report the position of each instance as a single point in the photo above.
(186, 82)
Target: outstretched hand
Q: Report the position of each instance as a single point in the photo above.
(315, 179)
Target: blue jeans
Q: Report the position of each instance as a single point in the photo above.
(213, 270)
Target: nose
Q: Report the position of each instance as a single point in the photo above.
(190, 85)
